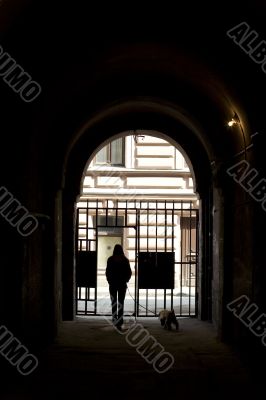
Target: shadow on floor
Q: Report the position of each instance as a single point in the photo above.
(90, 359)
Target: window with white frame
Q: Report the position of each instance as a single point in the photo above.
(112, 154)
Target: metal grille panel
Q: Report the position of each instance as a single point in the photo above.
(149, 227)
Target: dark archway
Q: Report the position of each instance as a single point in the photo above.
(143, 113)
(186, 80)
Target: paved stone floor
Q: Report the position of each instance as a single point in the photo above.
(91, 360)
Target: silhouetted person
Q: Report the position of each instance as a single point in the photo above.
(118, 273)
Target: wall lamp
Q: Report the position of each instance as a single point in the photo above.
(234, 120)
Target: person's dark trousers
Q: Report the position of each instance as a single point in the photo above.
(118, 294)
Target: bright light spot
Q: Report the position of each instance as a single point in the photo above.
(232, 122)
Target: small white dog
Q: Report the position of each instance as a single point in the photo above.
(167, 318)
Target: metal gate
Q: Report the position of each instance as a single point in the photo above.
(160, 238)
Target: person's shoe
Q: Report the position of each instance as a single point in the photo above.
(119, 327)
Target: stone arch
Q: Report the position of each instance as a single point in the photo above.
(183, 131)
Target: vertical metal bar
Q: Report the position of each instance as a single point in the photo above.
(147, 290)
(181, 255)
(87, 248)
(156, 248)
(126, 213)
(197, 264)
(86, 302)
(189, 277)
(116, 211)
(96, 249)
(77, 250)
(79, 292)
(106, 214)
(164, 299)
(138, 249)
(173, 251)
(165, 227)
(136, 261)
(156, 227)
(147, 227)
(173, 230)
(165, 244)
(87, 224)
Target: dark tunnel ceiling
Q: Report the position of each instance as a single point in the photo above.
(108, 45)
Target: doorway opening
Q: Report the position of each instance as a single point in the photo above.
(138, 191)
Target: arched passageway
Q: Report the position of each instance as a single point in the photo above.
(208, 169)
(138, 191)
(178, 74)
